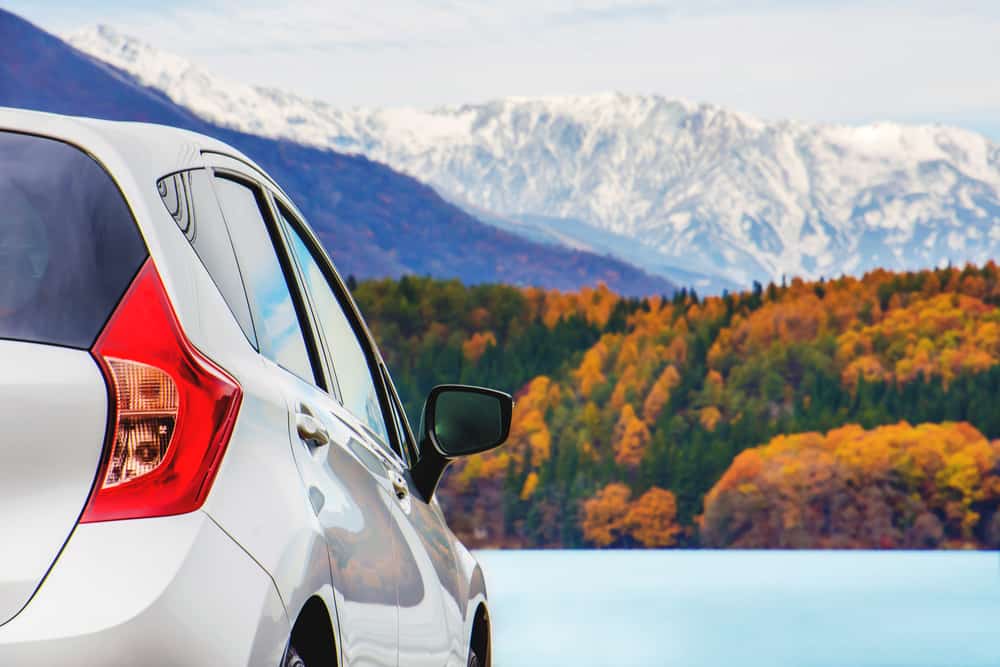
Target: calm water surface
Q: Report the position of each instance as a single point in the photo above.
(744, 609)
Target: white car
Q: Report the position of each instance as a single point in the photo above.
(203, 460)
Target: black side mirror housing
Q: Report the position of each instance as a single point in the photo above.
(458, 420)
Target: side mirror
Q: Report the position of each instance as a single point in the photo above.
(458, 420)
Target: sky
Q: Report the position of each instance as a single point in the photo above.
(849, 61)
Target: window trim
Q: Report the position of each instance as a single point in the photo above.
(217, 159)
(411, 448)
(302, 314)
(323, 346)
(296, 225)
(192, 237)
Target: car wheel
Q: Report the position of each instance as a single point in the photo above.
(292, 658)
(473, 658)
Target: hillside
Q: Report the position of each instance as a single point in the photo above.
(676, 187)
(373, 220)
(630, 412)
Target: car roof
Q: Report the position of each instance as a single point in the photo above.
(147, 150)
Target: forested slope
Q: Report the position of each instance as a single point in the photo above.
(630, 411)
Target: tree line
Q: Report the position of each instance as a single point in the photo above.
(631, 411)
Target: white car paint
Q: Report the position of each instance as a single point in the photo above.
(224, 584)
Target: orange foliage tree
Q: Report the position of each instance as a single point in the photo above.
(894, 486)
(651, 520)
(609, 518)
(604, 515)
(475, 346)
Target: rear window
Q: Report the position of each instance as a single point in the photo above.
(68, 244)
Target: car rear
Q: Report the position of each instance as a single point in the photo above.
(68, 251)
(112, 429)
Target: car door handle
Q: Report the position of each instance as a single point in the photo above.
(399, 486)
(311, 430)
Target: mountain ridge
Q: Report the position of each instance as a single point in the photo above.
(704, 189)
(373, 220)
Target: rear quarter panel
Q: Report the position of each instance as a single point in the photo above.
(257, 496)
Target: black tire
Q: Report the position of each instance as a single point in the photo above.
(473, 658)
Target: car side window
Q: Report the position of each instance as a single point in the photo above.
(358, 390)
(189, 199)
(276, 320)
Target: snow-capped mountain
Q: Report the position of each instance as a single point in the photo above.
(374, 221)
(666, 184)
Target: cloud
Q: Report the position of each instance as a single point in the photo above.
(850, 60)
(610, 12)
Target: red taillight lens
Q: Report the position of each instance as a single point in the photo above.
(172, 411)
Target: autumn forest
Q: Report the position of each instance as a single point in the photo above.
(849, 413)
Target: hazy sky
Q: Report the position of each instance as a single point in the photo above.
(847, 61)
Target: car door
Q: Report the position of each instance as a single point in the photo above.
(346, 487)
(427, 536)
(423, 557)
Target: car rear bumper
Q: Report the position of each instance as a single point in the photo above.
(166, 591)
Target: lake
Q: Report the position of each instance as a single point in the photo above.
(744, 608)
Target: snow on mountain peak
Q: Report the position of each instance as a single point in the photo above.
(666, 183)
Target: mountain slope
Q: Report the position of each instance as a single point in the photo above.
(679, 184)
(373, 220)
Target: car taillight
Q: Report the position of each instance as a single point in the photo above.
(172, 411)
(146, 404)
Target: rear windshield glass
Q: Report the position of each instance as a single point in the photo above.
(68, 244)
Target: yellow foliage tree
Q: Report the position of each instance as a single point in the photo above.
(943, 335)
(659, 394)
(530, 484)
(590, 373)
(529, 434)
(630, 438)
(709, 417)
